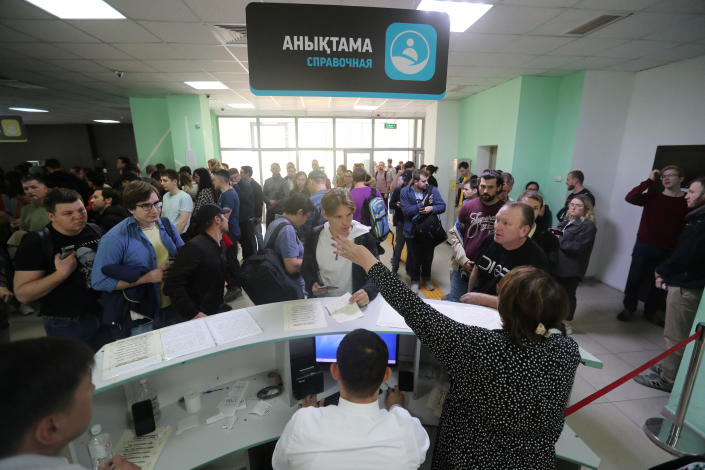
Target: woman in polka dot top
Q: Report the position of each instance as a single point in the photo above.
(509, 387)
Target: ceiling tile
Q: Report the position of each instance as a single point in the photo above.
(219, 11)
(596, 63)
(541, 3)
(588, 46)
(219, 66)
(638, 65)
(535, 44)
(115, 31)
(79, 66)
(20, 9)
(189, 51)
(554, 62)
(637, 48)
(678, 6)
(39, 50)
(127, 66)
(182, 33)
(506, 19)
(637, 26)
(51, 30)
(626, 5)
(689, 29)
(239, 51)
(173, 65)
(482, 59)
(157, 50)
(160, 10)
(13, 35)
(94, 51)
(682, 52)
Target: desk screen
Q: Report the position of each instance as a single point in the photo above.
(327, 346)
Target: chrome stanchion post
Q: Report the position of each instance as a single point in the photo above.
(672, 436)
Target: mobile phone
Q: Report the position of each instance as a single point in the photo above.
(66, 251)
(143, 417)
(555, 231)
(330, 287)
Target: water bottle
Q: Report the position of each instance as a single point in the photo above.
(100, 447)
(146, 392)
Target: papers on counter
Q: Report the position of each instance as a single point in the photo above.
(143, 451)
(389, 318)
(342, 310)
(304, 315)
(470, 315)
(186, 338)
(132, 353)
(232, 326)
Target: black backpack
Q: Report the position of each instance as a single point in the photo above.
(264, 277)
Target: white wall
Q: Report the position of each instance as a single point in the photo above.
(441, 142)
(598, 138)
(667, 107)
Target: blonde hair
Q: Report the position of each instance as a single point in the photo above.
(333, 199)
(214, 165)
(588, 208)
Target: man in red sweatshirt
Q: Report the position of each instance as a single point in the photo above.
(661, 223)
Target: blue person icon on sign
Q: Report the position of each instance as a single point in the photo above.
(410, 51)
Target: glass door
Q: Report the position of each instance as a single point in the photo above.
(359, 157)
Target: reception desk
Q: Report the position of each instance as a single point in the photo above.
(253, 359)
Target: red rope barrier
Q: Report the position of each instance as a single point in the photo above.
(572, 409)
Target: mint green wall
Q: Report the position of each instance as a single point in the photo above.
(533, 122)
(190, 107)
(216, 137)
(490, 118)
(150, 121)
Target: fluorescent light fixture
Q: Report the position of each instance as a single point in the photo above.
(242, 105)
(365, 107)
(215, 85)
(79, 9)
(106, 121)
(462, 14)
(28, 110)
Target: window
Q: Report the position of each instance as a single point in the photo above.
(277, 132)
(353, 133)
(323, 157)
(394, 133)
(315, 133)
(281, 157)
(238, 133)
(238, 158)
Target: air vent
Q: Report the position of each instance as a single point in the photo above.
(595, 24)
(230, 34)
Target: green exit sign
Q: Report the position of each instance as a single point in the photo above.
(389, 125)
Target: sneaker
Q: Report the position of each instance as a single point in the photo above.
(415, 287)
(429, 285)
(649, 379)
(232, 294)
(625, 315)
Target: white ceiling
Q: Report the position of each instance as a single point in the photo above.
(163, 43)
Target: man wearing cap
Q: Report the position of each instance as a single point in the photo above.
(195, 281)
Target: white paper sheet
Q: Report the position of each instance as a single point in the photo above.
(389, 318)
(143, 451)
(132, 353)
(470, 315)
(342, 310)
(186, 338)
(231, 326)
(304, 315)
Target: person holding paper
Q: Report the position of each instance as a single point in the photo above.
(327, 274)
(47, 402)
(195, 281)
(509, 387)
(376, 438)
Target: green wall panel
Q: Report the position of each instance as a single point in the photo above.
(150, 121)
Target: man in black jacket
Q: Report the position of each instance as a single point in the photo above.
(195, 281)
(247, 211)
(683, 276)
(106, 210)
(258, 197)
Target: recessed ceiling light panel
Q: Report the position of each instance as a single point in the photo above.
(106, 121)
(214, 85)
(79, 9)
(28, 110)
(462, 14)
(364, 107)
(242, 105)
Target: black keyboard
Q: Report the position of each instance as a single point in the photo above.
(331, 399)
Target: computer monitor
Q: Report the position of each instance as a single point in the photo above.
(327, 346)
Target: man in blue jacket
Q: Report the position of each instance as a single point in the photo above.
(146, 243)
(419, 200)
(683, 276)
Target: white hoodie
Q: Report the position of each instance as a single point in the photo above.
(336, 272)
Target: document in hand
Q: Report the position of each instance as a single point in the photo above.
(342, 310)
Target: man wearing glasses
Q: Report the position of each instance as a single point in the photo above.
(661, 223)
(131, 263)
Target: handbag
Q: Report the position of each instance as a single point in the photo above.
(428, 229)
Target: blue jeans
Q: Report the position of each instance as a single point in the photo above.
(458, 286)
(84, 328)
(163, 318)
(645, 259)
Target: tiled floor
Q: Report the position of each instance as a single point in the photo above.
(611, 426)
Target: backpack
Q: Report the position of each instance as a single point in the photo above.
(48, 244)
(374, 215)
(264, 277)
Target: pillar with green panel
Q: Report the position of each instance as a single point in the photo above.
(175, 130)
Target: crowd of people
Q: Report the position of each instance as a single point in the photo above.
(102, 261)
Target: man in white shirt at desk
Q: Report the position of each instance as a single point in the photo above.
(356, 434)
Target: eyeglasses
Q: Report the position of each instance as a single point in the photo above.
(572, 205)
(148, 206)
(671, 175)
